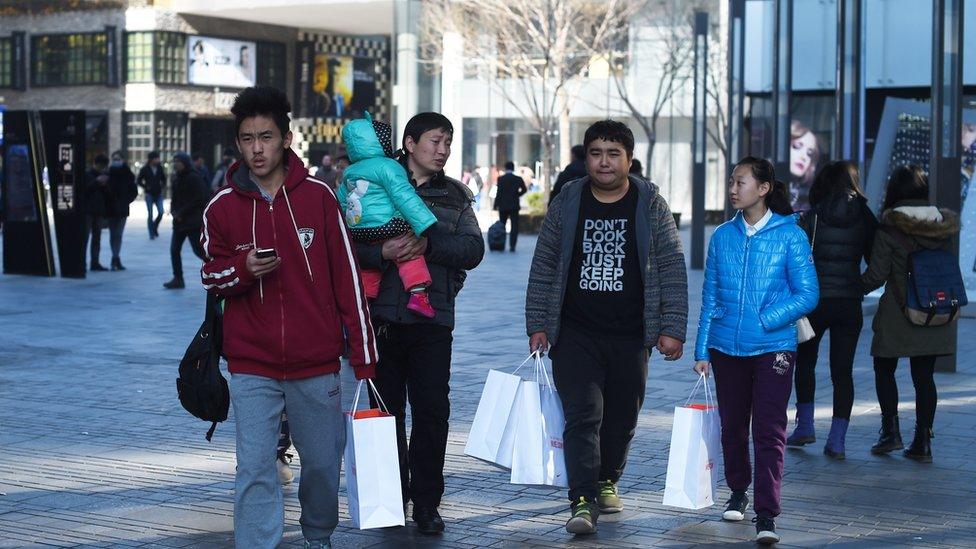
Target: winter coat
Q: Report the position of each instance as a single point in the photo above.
(122, 191)
(454, 246)
(96, 194)
(658, 247)
(289, 323)
(756, 288)
(190, 195)
(573, 171)
(152, 184)
(926, 227)
(844, 234)
(510, 188)
(375, 188)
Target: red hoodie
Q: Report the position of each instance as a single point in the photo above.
(288, 324)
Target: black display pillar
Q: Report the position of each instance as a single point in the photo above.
(848, 144)
(64, 149)
(699, 141)
(26, 233)
(736, 90)
(782, 85)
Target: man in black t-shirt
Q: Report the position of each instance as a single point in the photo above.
(623, 290)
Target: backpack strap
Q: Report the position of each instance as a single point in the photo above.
(210, 432)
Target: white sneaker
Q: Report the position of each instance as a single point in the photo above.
(285, 476)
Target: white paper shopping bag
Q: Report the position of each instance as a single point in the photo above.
(695, 453)
(494, 408)
(372, 466)
(537, 449)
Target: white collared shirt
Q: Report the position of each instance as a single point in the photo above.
(753, 229)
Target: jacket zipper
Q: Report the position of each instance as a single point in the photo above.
(742, 297)
(281, 293)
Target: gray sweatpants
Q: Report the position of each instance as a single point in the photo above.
(318, 431)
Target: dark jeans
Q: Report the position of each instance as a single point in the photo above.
(94, 224)
(153, 223)
(601, 385)
(415, 364)
(176, 246)
(926, 396)
(756, 389)
(844, 319)
(504, 216)
(116, 226)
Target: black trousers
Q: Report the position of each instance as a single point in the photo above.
(926, 396)
(94, 226)
(844, 319)
(601, 385)
(504, 216)
(176, 247)
(415, 366)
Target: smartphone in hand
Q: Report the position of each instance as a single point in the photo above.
(265, 253)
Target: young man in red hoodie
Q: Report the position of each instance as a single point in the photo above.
(279, 252)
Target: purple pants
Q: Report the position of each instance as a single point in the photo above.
(756, 388)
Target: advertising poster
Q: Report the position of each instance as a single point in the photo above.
(343, 86)
(220, 62)
(20, 185)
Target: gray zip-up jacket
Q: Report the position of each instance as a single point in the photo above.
(659, 248)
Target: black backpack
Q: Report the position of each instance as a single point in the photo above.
(202, 388)
(934, 288)
(496, 237)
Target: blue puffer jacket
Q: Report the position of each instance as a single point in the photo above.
(375, 188)
(756, 288)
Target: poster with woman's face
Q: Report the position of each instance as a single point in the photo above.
(804, 162)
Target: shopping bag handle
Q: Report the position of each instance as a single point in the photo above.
(532, 355)
(376, 393)
(702, 381)
(543, 373)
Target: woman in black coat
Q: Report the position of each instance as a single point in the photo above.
(841, 228)
(122, 191)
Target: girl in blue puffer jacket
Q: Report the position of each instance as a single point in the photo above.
(759, 280)
(380, 204)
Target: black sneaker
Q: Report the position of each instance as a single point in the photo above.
(175, 284)
(429, 521)
(766, 531)
(97, 267)
(735, 509)
(583, 517)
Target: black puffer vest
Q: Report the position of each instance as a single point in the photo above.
(844, 234)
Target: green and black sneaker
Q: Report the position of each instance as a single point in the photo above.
(583, 519)
(608, 500)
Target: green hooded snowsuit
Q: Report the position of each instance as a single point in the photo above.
(375, 193)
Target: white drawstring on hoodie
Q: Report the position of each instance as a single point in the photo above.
(254, 240)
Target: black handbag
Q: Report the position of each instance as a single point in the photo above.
(201, 387)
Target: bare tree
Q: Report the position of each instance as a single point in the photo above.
(534, 53)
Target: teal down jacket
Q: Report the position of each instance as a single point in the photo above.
(756, 288)
(375, 188)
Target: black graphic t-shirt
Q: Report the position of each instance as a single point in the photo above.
(604, 289)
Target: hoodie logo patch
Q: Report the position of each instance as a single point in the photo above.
(306, 236)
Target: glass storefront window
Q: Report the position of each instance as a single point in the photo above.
(138, 56)
(69, 59)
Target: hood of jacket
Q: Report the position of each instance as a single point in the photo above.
(919, 219)
(841, 210)
(239, 176)
(361, 140)
(185, 160)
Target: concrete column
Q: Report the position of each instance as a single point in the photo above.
(452, 75)
(405, 96)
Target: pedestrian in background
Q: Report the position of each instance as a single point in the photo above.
(122, 191)
(200, 165)
(602, 335)
(908, 223)
(636, 168)
(152, 179)
(220, 170)
(190, 195)
(508, 195)
(96, 206)
(759, 280)
(341, 163)
(573, 171)
(840, 228)
(327, 172)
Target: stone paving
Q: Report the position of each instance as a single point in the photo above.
(95, 449)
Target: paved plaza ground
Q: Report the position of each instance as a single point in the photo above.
(95, 449)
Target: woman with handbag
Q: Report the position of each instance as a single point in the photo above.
(759, 281)
(908, 223)
(841, 229)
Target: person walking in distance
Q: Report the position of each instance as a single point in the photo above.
(200, 165)
(122, 191)
(607, 284)
(152, 179)
(573, 171)
(220, 170)
(908, 223)
(510, 189)
(327, 171)
(840, 227)
(280, 254)
(190, 195)
(759, 280)
(96, 206)
(415, 351)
